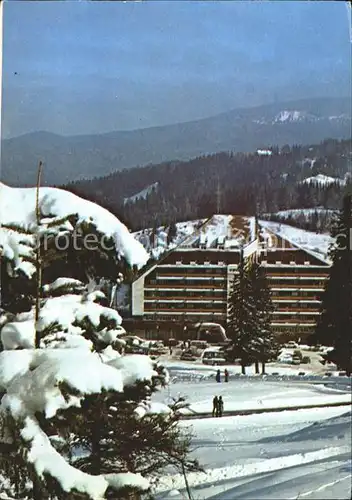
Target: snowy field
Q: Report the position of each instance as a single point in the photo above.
(247, 394)
(278, 455)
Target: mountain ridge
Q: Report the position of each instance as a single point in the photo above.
(291, 102)
(70, 158)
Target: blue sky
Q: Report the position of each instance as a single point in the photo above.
(87, 67)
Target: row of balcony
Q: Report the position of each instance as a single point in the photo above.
(160, 286)
(203, 298)
(220, 286)
(292, 313)
(188, 313)
(296, 310)
(313, 287)
(223, 275)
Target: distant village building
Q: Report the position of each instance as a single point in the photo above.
(192, 284)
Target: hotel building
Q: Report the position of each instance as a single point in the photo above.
(192, 283)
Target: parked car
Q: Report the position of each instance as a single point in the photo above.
(201, 344)
(291, 345)
(155, 351)
(135, 349)
(297, 353)
(187, 356)
(213, 356)
(285, 357)
(172, 342)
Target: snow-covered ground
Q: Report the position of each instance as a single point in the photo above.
(291, 116)
(143, 194)
(278, 455)
(323, 180)
(242, 393)
(156, 243)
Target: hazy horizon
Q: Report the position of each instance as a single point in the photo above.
(80, 68)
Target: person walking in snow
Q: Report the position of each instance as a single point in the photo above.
(218, 376)
(226, 373)
(220, 406)
(215, 406)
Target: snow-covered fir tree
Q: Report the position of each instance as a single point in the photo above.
(264, 343)
(241, 313)
(334, 326)
(76, 416)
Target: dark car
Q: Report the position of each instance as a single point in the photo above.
(172, 342)
(187, 356)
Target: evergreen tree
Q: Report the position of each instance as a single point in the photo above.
(264, 343)
(74, 391)
(241, 313)
(153, 238)
(334, 327)
(172, 232)
(132, 438)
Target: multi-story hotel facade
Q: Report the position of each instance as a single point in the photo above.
(192, 283)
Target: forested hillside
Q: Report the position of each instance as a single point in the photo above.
(265, 182)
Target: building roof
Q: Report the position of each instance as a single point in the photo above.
(222, 231)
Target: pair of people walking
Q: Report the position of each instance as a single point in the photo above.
(218, 406)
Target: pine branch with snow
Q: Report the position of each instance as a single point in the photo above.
(73, 409)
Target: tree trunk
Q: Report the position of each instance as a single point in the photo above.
(263, 368)
(96, 459)
(37, 491)
(186, 481)
(38, 263)
(256, 366)
(243, 369)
